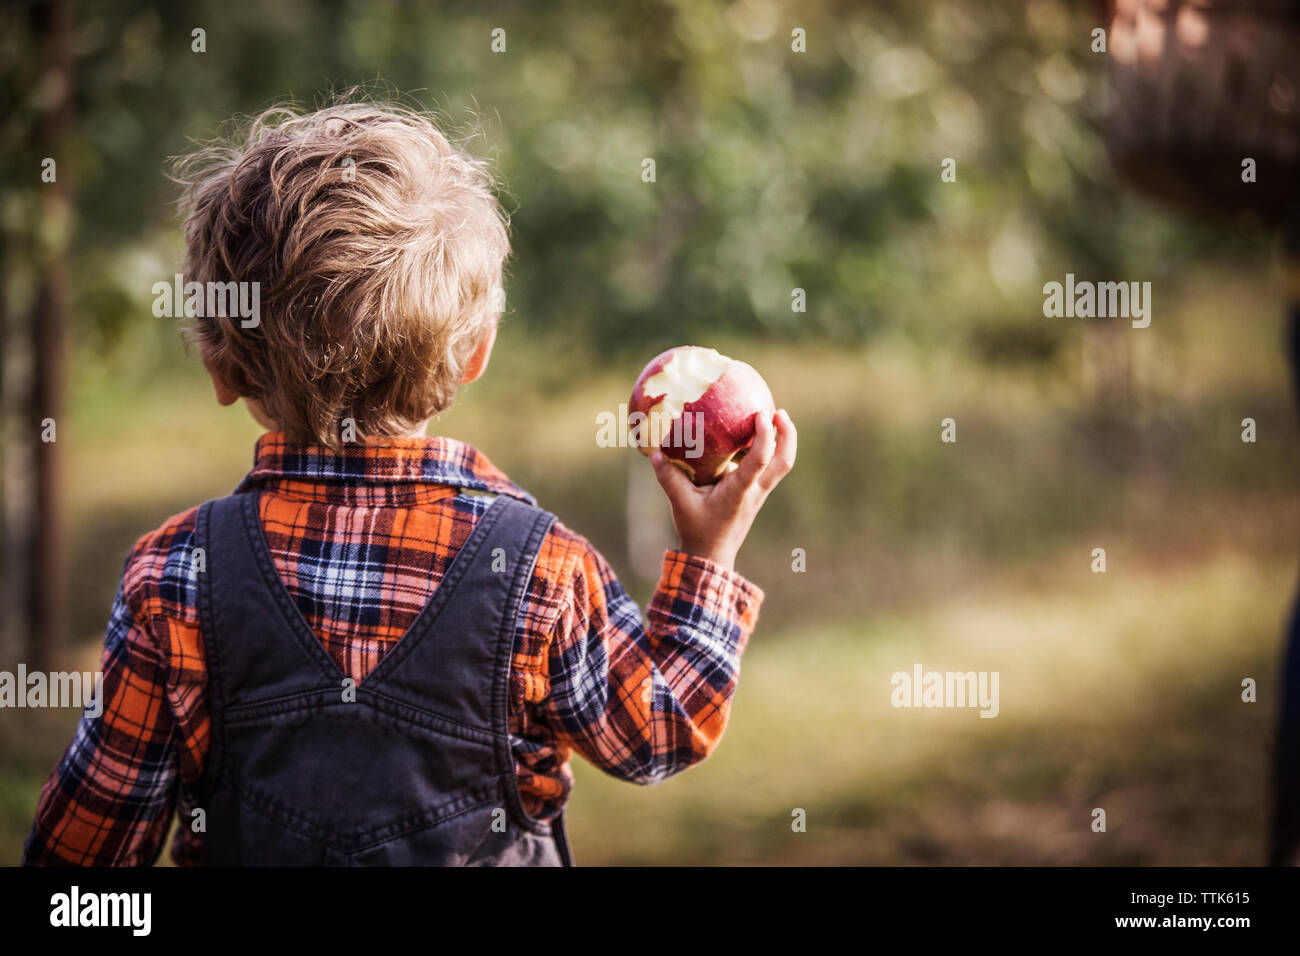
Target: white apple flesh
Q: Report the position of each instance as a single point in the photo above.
(698, 407)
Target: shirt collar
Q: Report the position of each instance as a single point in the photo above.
(383, 461)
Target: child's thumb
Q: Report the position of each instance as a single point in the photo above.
(671, 478)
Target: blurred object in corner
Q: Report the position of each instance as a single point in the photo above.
(1197, 87)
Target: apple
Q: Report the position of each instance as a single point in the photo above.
(698, 407)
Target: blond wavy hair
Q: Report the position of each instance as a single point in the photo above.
(379, 248)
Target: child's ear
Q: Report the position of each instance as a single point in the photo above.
(479, 360)
(225, 394)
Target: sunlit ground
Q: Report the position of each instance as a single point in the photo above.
(1120, 692)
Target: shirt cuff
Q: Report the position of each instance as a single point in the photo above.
(695, 592)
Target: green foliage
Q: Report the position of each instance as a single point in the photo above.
(775, 169)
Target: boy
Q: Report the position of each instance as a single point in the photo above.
(378, 650)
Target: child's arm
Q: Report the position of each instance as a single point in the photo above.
(645, 702)
(111, 798)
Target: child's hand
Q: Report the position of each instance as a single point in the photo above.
(712, 521)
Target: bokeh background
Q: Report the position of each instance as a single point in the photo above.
(776, 170)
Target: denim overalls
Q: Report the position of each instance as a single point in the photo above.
(411, 766)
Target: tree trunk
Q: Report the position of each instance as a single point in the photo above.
(48, 581)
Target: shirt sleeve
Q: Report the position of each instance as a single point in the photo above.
(645, 700)
(109, 800)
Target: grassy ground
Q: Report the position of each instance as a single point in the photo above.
(1118, 690)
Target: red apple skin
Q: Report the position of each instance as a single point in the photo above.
(728, 407)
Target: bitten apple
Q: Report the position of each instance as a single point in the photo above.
(698, 407)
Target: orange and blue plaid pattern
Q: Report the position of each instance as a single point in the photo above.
(361, 539)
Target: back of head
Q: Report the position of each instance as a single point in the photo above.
(378, 249)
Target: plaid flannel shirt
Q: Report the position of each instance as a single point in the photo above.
(361, 539)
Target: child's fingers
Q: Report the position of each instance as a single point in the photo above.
(787, 446)
(759, 454)
(672, 479)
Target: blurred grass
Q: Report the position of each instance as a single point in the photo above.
(1119, 690)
